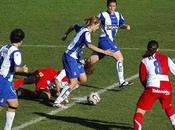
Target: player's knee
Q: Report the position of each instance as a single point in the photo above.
(83, 81)
(118, 56)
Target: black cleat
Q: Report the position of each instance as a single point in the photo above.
(126, 83)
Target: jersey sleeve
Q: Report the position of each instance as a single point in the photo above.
(171, 66)
(17, 59)
(99, 15)
(87, 38)
(121, 20)
(61, 75)
(77, 27)
(142, 74)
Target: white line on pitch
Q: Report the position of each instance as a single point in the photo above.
(57, 46)
(34, 121)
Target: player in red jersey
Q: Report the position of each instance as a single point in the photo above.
(48, 82)
(154, 76)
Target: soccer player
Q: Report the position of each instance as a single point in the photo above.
(10, 62)
(111, 21)
(48, 82)
(71, 58)
(154, 76)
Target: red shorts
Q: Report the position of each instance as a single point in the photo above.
(150, 95)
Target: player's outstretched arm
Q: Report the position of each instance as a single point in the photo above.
(22, 69)
(94, 48)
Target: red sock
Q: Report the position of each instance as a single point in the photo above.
(170, 111)
(18, 83)
(138, 121)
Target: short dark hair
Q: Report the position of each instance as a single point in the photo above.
(110, 1)
(17, 35)
(152, 47)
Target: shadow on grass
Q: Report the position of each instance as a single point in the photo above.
(94, 124)
(32, 96)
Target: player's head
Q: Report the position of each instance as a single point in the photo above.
(17, 35)
(152, 47)
(111, 5)
(93, 23)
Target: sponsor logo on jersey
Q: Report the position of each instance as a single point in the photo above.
(111, 27)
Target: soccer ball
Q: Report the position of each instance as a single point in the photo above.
(93, 98)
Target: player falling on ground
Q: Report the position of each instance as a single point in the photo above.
(48, 83)
(111, 22)
(71, 58)
(154, 76)
(10, 62)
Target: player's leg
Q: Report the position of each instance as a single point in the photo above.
(119, 67)
(138, 119)
(166, 101)
(65, 92)
(90, 62)
(10, 113)
(144, 103)
(11, 99)
(72, 72)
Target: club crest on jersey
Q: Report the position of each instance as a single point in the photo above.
(111, 27)
(75, 73)
(2, 100)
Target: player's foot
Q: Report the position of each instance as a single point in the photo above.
(173, 127)
(126, 83)
(66, 100)
(59, 105)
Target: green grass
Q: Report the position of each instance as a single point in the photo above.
(45, 22)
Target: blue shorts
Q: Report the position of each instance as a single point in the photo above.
(72, 67)
(7, 91)
(106, 43)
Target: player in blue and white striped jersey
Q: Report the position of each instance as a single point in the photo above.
(111, 21)
(10, 62)
(71, 58)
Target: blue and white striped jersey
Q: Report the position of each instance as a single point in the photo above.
(10, 57)
(110, 24)
(80, 41)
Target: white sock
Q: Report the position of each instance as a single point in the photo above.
(119, 69)
(9, 120)
(172, 118)
(63, 95)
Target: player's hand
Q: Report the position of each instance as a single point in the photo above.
(25, 69)
(128, 27)
(64, 37)
(41, 74)
(108, 52)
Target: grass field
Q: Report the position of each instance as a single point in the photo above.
(44, 23)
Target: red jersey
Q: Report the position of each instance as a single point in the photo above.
(154, 71)
(46, 75)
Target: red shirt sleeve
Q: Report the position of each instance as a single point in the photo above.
(142, 74)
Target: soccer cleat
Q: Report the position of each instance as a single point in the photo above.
(66, 100)
(126, 83)
(173, 127)
(59, 105)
